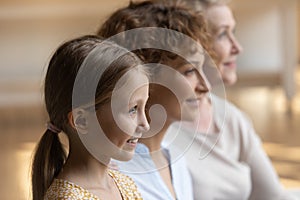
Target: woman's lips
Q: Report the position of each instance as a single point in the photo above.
(194, 102)
(231, 65)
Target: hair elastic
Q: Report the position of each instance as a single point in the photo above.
(53, 128)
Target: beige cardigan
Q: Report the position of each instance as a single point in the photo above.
(230, 164)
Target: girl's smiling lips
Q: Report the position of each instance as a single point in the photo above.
(132, 142)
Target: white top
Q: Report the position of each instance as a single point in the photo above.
(230, 164)
(148, 180)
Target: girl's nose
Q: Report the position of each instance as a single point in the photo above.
(143, 125)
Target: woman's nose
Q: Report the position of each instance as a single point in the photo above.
(203, 85)
(236, 46)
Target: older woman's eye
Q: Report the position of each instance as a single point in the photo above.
(133, 110)
(222, 35)
(233, 31)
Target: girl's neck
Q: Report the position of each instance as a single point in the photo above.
(91, 175)
(84, 169)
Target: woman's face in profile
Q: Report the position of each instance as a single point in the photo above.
(222, 26)
(184, 85)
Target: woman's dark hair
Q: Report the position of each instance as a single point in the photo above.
(163, 14)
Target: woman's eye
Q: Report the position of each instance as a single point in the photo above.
(234, 31)
(222, 35)
(133, 110)
(190, 71)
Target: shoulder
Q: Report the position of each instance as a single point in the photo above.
(126, 185)
(235, 125)
(228, 111)
(63, 190)
(224, 104)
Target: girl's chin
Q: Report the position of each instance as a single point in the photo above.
(124, 155)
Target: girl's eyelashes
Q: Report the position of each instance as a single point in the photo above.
(133, 110)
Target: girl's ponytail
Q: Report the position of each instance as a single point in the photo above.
(48, 160)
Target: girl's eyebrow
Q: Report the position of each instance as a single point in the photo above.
(137, 100)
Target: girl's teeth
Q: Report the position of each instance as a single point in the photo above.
(132, 140)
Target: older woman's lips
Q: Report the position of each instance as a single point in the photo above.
(231, 65)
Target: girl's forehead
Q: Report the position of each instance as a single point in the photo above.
(127, 86)
(131, 80)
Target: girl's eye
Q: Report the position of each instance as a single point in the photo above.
(133, 110)
(190, 71)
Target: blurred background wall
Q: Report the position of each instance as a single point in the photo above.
(30, 32)
(269, 33)
(298, 14)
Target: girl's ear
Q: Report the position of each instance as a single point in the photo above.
(78, 120)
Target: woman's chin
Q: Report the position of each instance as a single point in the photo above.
(230, 79)
(190, 114)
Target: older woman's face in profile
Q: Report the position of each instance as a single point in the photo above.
(222, 25)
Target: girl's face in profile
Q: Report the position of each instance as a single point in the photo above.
(123, 120)
(225, 44)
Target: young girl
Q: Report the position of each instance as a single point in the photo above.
(101, 126)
